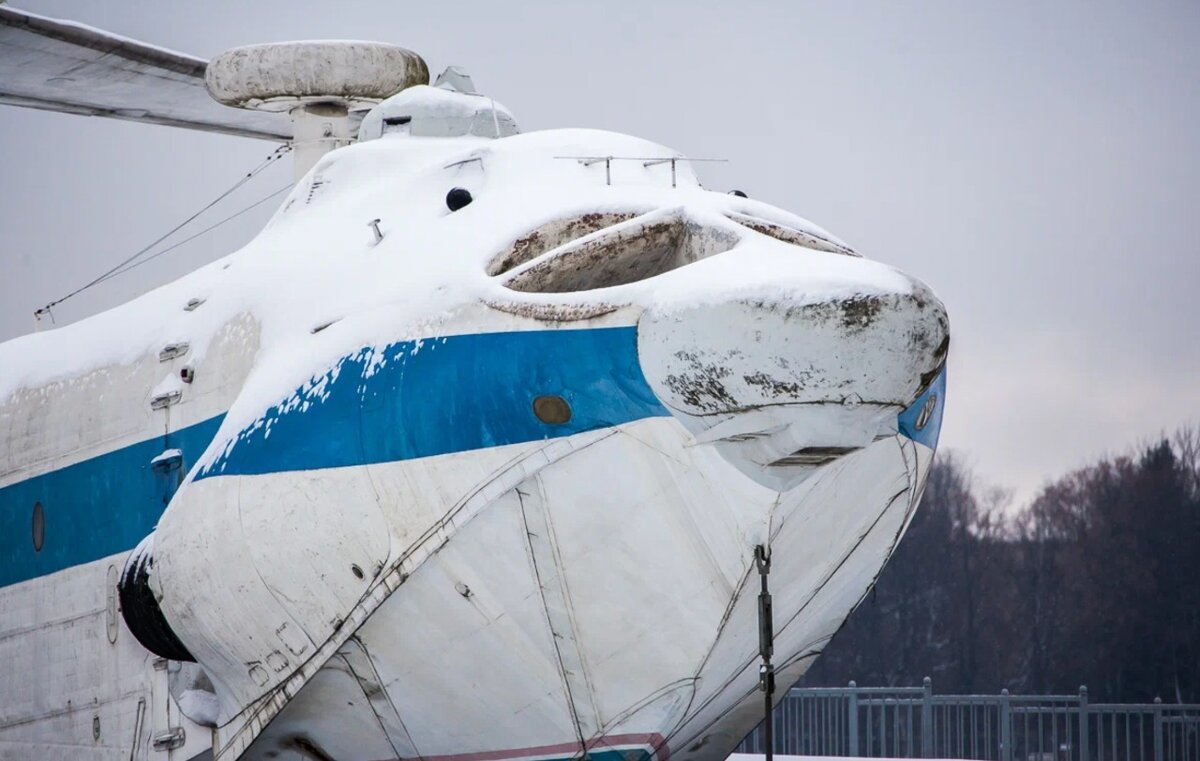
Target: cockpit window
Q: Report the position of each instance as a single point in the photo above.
(638, 250)
(552, 235)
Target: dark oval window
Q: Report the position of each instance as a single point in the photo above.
(39, 526)
(552, 410)
(926, 412)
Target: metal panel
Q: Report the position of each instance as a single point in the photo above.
(59, 66)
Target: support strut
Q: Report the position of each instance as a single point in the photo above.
(766, 648)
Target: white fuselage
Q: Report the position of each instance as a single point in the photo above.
(489, 487)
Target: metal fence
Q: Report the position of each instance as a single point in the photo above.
(913, 722)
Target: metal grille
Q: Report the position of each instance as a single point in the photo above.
(913, 722)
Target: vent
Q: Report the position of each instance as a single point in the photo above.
(171, 351)
(813, 456)
(552, 235)
(162, 401)
(314, 188)
(626, 254)
(789, 234)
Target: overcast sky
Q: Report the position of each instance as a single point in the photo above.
(1037, 163)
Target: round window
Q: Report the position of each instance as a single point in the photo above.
(552, 409)
(39, 526)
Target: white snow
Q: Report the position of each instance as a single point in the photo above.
(316, 261)
(200, 706)
(167, 455)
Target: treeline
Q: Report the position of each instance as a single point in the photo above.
(1096, 582)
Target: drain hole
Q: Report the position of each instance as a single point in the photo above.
(358, 572)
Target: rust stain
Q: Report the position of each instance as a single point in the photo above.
(700, 386)
(554, 312)
(939, 361)
(860, 312)
(551, 235)
(773, 386)
(627, 255)
(790, 235)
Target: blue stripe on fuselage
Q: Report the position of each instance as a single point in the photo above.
(423, 398)
(94, 508)
(438, 396)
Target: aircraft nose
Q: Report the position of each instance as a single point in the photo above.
(786, 368)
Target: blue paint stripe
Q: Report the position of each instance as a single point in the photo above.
(93, 508)
(427, 398)
(423, 398)
(459, 393)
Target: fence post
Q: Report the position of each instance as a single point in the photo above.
(1158, 730)
(1006, 751)
(1084, 749)
(852, 718)
(927, 718)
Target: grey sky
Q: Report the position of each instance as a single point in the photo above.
(1037, 163)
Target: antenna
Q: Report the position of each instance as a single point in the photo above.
(324, 86)
(646, 162)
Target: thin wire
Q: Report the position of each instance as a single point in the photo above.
(190, 238)
(276, 154)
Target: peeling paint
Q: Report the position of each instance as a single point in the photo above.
(700, 386)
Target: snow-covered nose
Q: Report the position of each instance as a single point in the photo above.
(787, 365)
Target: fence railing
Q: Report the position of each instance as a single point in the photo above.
(914, 722)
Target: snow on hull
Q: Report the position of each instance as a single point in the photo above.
(720, 374)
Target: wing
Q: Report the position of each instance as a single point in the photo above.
(60, 66)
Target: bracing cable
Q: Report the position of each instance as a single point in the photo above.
(132, 261)
(213, 226)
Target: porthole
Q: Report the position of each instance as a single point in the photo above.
(39, 526)
(926, 412)
(551, 409)
(457, 198)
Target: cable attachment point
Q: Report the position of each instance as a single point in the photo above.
(762, 559)
(766, 646)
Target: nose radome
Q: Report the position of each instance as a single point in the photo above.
(782, 378)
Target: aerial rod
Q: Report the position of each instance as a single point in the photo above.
(647, 162)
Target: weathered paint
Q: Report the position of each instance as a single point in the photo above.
(95, 508)
(442, 395)
(379, 576)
